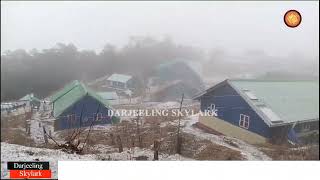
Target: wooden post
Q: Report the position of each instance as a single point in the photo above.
(138, 131)
(156, 146)
(29, 129)
(45, 135)
(140, 141)
(112, 139)
(132, 141)
(120, 144)
(26, 122)
(178, 134)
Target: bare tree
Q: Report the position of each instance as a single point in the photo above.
(138, 122)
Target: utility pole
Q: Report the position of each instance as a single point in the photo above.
(178, 134)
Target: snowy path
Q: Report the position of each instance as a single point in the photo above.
(36, 131)
(248, 151)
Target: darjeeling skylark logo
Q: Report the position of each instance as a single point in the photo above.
(292, 18)
(29, 170)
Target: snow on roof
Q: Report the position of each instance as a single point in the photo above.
(119, 78)
(70, 95)
(29, 97)
(282, 102)
(109, 95)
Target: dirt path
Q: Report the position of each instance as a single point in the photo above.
(248, 151)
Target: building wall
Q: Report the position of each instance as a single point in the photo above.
(306, 128)
(230, 105)
(119, 85)
(85, 111)
(130, 83)
(231, 130)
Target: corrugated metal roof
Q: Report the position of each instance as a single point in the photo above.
(108, 95)
(289, 101)
(64, 90)
(29, 97)
(119, 78)
(70, 95)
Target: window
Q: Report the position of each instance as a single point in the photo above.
(244, 121)
(212, 107)
(99, 117)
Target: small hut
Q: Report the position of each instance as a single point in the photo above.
(76, 106)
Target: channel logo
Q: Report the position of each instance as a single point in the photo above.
(292, 18)
(30, 170)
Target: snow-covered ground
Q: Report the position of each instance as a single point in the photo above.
(170, 104)
(36, 128)
(166, 105)
(12, 152)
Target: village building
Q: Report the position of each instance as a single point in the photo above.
(120, 81)
(30, 100)
(110, 96)
(261, 111)
(77, 106)
(172, 91)
(171, 79)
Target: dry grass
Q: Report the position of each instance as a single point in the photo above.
(287, 152)
(13, 131)
(150, 131)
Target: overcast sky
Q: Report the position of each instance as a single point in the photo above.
(234, 26)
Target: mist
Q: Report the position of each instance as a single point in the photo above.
(45, 45)
(235, 26)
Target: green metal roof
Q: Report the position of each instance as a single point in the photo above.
(286, 101)
(29, 97)
(64, 90)
(119, 78)
(72, 93)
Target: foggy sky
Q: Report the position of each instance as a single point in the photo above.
(233, 26)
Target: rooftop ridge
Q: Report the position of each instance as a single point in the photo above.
(67, 88)
(274, 80)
